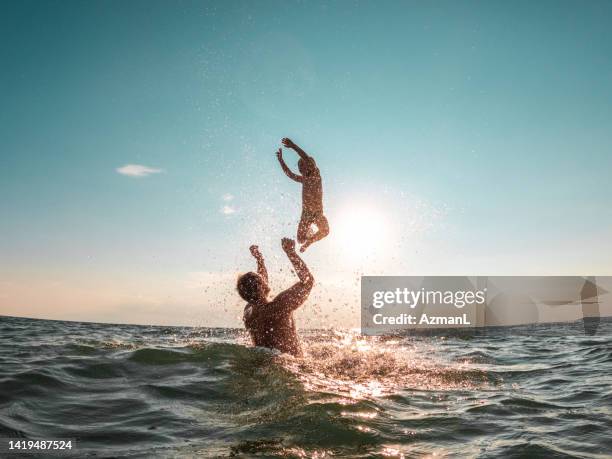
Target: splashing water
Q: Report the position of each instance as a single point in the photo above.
(359, 367)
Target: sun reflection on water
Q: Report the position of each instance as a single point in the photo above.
(355, 367)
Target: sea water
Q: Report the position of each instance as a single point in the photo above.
(142, 391)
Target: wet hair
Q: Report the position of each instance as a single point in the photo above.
(250, 287)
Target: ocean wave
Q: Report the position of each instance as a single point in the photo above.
(176, 392)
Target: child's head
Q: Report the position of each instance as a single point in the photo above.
(306, 167)
(252, 288)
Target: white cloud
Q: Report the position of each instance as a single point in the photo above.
(137, 170)
(227, 210)
(227, 197)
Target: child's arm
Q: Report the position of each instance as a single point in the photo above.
(288, 173)
(289, 144)
(261, 266)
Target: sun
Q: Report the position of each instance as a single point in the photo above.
(361, 231)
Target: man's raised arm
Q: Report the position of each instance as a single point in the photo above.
(286, 170)
(261, 266)
(294, 296)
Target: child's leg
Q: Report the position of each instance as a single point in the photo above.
(322, 231)
(303, 227)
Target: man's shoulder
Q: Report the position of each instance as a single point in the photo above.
(252, 312)
(248, 312)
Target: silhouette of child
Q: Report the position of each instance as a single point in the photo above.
(312, 196)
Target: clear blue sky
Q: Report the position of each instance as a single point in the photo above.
(480, 131)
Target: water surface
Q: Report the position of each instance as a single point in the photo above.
(136, 391)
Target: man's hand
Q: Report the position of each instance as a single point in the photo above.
(279, 154)
(287, 142)
(288, 245)
(255, 251)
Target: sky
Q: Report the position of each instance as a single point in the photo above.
(138, 139)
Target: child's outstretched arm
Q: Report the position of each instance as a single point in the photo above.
(286, 170)
(287, 142)
(261, 266)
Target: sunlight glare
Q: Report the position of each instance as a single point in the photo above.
(361, 232)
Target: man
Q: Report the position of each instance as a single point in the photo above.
(270, 323)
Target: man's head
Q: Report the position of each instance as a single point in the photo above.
(305, 166)
(252, 288)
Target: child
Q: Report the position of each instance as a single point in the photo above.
(270, 323)
(312, 196)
